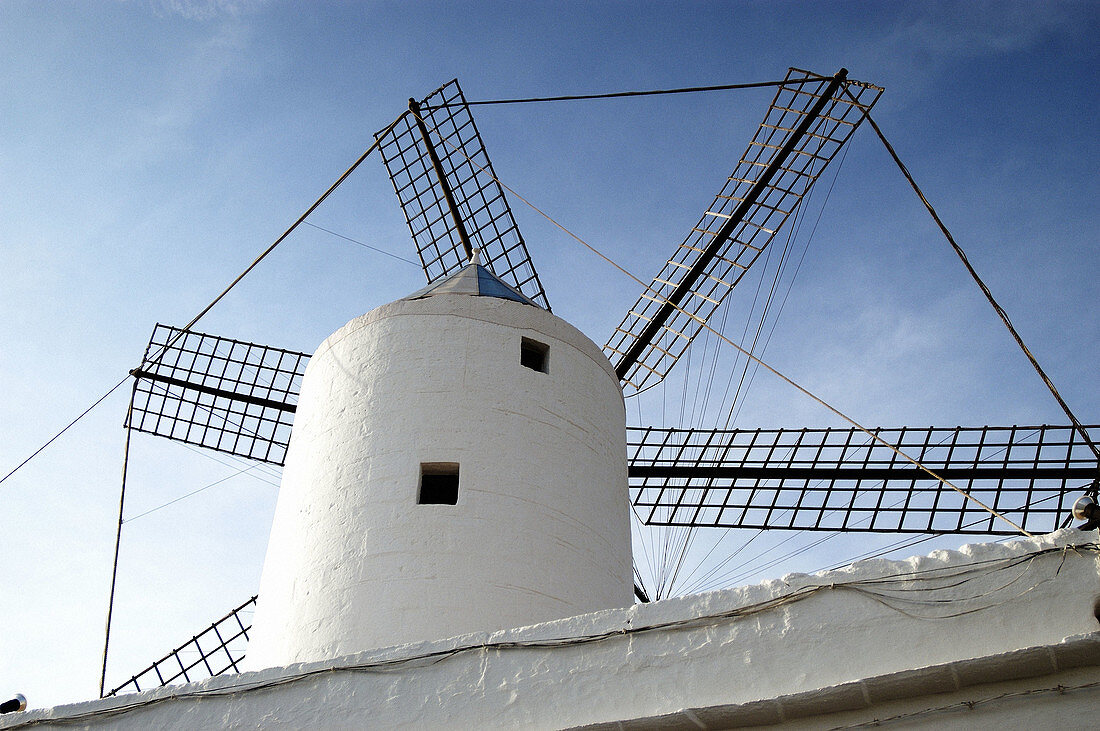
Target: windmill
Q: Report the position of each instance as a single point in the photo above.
(241, 398)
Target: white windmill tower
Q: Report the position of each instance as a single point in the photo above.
(458, 464)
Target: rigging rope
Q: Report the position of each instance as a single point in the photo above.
(732, 419)
(712, 578)
(906, 543)
(196, 491)
(724, 578)
(985, 290)
(66, 428)
(366, 246)
(621, 94)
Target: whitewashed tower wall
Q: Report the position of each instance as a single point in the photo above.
(540, 530)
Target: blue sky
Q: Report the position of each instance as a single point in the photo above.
(152, 148)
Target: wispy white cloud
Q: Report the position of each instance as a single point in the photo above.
(927, 38)
(206, 9)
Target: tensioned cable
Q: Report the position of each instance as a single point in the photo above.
(717, 579)
(902, 544)
(715, 570)
(687, 588)
(641, 533)
(981, 284)
(670, 538)
(366, 246)
(68, 426)
(714, 363)
(764, 312)
(621, 94)
(732, 418)
(703, 324)
(906, 543)
(724, 577)
(736, 406)
(240, 471)
(224, 292)
(690, 531)
(263, 470)
(118, 534)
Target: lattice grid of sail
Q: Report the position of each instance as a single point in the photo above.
(228, 395)
(216, 650)
(648, 356)
(484, 211)
(841, 479)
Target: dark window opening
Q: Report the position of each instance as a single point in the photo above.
(534, 355)
(438, 483)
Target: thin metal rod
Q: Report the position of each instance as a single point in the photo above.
(118, 542)
(985, 290)
(414, 107)
(723, 234)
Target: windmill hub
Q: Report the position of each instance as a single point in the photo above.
(458, 464)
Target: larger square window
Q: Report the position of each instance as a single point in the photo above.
(534, 355)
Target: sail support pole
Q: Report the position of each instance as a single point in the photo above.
(414, 107)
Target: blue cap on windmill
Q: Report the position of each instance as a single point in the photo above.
(472, 279)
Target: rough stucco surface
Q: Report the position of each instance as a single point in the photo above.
(1052, 686)
(540, 531)
(972, 608)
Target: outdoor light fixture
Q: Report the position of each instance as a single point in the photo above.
(1086, 509)
(18, 703)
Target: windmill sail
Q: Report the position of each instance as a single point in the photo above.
(842, 480)
(450, 195)
(809, 120)
(216, 650)
(228, 395)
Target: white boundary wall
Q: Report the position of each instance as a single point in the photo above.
(871, 633)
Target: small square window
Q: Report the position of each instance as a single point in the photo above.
(438, 483)
(534, 355)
